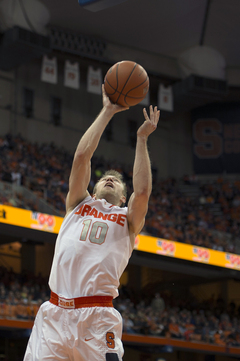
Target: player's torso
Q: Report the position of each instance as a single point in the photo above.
(92, 250)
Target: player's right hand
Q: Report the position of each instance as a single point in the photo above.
(115, 108)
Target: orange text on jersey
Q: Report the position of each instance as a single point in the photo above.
(87, 210)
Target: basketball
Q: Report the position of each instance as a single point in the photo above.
(126, 83)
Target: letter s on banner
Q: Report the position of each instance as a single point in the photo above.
(208, 141)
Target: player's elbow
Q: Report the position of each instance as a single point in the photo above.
(82, 155)
(143, 195)
(144, 191)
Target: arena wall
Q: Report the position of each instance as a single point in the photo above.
(170, 146)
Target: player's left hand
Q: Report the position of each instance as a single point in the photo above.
(150, 123)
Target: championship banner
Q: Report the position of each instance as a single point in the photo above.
(71, 75)
(94, 80)
(187, 252)
(49, 70)
(165, 98)
(216, 138)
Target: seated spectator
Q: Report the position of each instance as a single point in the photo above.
(10, 309)
(219, 338)
(174, 329)
(21, 311)
(128, 324)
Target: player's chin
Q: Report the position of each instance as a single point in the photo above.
(107, 188)
(106, 192)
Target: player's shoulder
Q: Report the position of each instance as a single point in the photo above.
(87, 200)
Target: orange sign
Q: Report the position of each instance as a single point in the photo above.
(28, 219)
(47, 223)
(187, 252)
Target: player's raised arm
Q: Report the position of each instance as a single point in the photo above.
(81, 167)
(142, 176)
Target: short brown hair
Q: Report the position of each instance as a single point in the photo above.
(116, 174)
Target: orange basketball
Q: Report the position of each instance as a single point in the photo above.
(126, 83)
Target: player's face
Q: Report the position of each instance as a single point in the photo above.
(111, 189)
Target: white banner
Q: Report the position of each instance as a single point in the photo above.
(146, 101)
(165, 98)
(71, 75)
(49, 70)
(94, 80)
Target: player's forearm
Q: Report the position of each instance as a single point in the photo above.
(89, 141)
(142, 175)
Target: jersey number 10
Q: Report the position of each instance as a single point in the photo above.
(97, 233)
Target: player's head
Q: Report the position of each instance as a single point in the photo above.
(112, 188)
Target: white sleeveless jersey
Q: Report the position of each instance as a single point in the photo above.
(92, 250)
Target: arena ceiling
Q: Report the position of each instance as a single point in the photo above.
(163, 27)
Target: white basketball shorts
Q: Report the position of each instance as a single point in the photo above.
(82, 334)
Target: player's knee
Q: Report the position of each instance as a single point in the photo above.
(112, 356)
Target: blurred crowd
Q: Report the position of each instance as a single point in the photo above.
(184, 319)
(45, 168)
(163, 315)
(174, 216)
(21, 294)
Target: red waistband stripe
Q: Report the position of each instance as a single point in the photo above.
(80, 302)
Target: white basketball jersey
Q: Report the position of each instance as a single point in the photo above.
(92, 250)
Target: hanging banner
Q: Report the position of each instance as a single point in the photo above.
(49, 70)
(71, 75)
(94, 80)
(216, 138)
(165, 98)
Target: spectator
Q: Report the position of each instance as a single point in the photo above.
(158, 304)
(173, 328)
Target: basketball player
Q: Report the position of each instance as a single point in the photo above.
(93, 247)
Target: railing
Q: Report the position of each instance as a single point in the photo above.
(21, 196)
(140, 340)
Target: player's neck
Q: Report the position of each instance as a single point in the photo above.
(110, 199)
